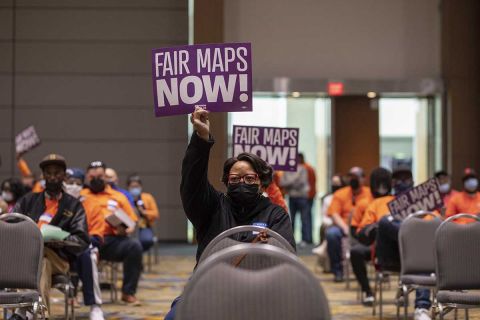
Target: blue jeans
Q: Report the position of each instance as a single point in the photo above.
(302, 204)
(388, 255)
(145, 235)
(334, 237)
(128, 251)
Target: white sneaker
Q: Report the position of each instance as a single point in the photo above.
(96, 313)
(421, 314)
(320, 250)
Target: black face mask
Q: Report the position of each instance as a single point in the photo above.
(53, 187)
(243, 195)
(97, 185)
(402, 186)
(354, 183)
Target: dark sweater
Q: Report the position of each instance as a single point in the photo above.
(212, 212)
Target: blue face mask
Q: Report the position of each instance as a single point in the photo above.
(135, 192)
(471, 185)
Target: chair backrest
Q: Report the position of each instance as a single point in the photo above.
(226, 239)
(457, 254)
(21, 252)
(219, 291)
(416, 239)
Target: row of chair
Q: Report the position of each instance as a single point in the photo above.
(237, 280)
(442, 256)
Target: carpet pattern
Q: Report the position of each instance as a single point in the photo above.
(158, 288)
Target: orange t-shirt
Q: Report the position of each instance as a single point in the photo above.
(275, 195)
(359, 211)
(23, 168)
(95, 216)
(108, 199)
(51, 208)
(343, 201)
(376, 210)
(312, 181)
(462, 202)
(151, 209)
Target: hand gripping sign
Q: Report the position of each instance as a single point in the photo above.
(217, 77)
(277, 146)
(424, 197)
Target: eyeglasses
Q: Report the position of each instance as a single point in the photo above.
(248, 178)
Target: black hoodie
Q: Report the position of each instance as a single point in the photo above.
(212, 212)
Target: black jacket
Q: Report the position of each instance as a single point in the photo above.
(70, 217)
(212, 212)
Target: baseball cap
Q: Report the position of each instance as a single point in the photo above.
(55, 159)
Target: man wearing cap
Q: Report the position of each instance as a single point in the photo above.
(55, 207)
(341, 209)
(86, 264)
(467, 201)
(117, 246)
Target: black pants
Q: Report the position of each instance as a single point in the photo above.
(128, 251)
(359, 254)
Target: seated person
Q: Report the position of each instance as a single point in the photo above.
(387, 251)
(343, 204)
(57, 208)
(147, 208)
(117, 245)
(381, 187)
(111, 178)
(212, 212)
(86, 264)
(467, 201)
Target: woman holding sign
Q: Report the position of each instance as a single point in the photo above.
(212, 212)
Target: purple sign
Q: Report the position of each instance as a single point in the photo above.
(26, 140)
(424, 197)
(217, 77)
(277, 146)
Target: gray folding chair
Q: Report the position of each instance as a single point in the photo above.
(457, 257)
(416, 243)
(21, 249)
(227, 239)
(286, 290)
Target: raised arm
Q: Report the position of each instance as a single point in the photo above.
(199, 198)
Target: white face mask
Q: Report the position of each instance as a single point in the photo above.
(471, 185)
(444, 188)
(73, 189)
(7, 196)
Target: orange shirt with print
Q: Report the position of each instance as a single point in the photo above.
(343, 201)
(462, 202)
(359, 211)
(105, 199)
(376, 210)
(95, 216)
(51, 208)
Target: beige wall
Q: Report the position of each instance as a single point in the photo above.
(83, 78)
(367, 39)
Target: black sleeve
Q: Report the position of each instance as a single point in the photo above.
(368, 234)
(199, 198)
(20, 205)
(78, 231)
(283, 225)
